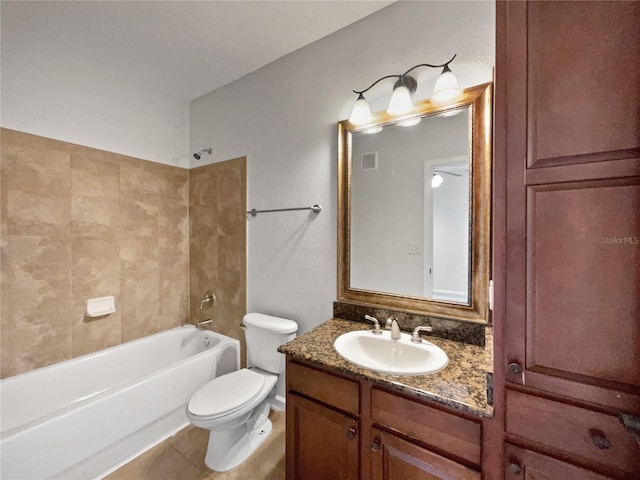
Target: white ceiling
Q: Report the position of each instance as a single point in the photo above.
(182, 48)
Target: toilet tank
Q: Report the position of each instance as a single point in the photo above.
(264, 334)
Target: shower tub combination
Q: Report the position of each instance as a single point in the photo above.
(85, 417)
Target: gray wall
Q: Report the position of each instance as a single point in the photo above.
(283, 118)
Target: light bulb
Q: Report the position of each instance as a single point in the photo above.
(400, 101)
(436, 181)
(361, 112)
(446, 90)
(410, 122)
(372, 130)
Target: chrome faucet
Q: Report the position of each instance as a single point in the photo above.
(415, 336)
(395, 330)
(201, 324)
(376, 324)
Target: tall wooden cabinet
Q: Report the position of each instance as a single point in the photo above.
(568, 173)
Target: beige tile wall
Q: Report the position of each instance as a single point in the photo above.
(78, 223)
(217, 237)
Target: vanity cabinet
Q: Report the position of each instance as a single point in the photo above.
(342, 428)
(568, 191)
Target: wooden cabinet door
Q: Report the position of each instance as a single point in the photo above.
(572, 143)
(393, 458)
(322, 444)
(527, 465)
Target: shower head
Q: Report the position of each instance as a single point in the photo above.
(198, 155)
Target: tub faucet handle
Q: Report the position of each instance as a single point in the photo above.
(208, 301)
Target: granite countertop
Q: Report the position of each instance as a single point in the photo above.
(461, 384)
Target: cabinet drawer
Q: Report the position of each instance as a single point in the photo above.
(522, 463)
(324, 387)
(449, 433)
(591, 435)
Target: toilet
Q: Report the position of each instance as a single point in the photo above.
(235, 407)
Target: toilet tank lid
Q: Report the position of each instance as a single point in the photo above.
(273, 324)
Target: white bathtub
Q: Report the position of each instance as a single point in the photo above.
(84, 417)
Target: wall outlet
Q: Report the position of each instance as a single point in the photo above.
(414, 249)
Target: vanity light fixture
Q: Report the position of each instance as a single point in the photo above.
(361, 113)
(446, 92)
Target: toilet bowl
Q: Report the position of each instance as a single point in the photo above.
(235, 407)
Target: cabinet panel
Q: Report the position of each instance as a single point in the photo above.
(327, 388)
(577, 431)
(582, 84)
(394, 458)
(456, 435)
(572, 168)
(322, 444)
(524, 464)
(583, 282)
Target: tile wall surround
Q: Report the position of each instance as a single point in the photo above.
(458, 331)
(78, 223)
(218, 243)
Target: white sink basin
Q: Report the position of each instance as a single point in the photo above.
(397, 357)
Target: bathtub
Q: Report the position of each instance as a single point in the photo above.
(85, 417)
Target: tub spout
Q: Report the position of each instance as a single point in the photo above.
(203, 323)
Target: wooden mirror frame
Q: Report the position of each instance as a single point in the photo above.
(479, 100)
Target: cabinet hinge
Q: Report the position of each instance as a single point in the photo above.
(491, 295)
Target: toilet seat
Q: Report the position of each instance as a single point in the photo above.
(226, 394)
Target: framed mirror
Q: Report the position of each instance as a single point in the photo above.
(414, 205)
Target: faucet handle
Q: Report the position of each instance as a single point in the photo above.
(376, 324)
(415, 336)
(209, 300)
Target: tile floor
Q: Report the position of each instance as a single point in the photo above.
(181, 457)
